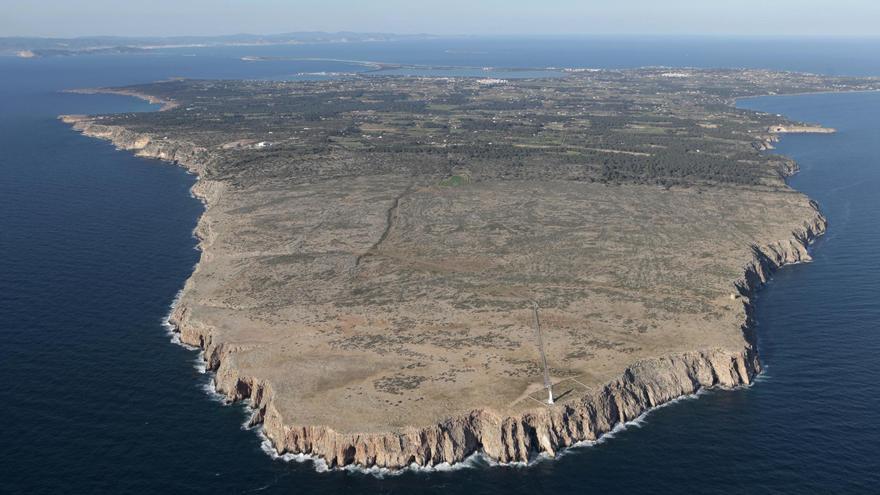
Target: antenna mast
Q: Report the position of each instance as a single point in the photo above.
(547, 383)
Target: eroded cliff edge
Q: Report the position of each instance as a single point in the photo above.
(371, 248)
(645, 384)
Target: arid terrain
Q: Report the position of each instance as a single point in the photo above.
(372, 248)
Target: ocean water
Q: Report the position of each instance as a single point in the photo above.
(94, 244)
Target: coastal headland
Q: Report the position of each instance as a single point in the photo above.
(371, 248)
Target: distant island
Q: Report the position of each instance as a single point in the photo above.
(378, 252)
(31, 47)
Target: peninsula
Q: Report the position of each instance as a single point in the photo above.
(35, 47)
(372, 246)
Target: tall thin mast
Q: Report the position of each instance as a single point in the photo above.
(547, 384)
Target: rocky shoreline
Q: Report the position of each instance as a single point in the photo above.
(642, 387)
(544, 430)
(166, 103)
(766, 142)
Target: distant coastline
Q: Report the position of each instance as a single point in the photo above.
(35, 47)
(167, 104)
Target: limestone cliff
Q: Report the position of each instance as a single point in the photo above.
(645, 385)
(766, 141)
(506, 438)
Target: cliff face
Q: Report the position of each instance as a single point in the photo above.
(766, 142)
(505, 438)
(188, 155)
(643, 386)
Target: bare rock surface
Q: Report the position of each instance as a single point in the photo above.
(384, 319)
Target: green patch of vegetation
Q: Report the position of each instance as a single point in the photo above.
(634, 126)
(456, 181)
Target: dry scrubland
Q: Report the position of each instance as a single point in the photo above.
(372, 245)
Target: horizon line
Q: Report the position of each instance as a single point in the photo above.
(465, 35)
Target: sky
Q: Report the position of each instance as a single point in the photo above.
(69, 18)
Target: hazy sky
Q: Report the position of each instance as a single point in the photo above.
(172, 17)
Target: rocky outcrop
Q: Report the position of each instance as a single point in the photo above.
(188, 155)
(644, 385)
(800, 129)
(167, 104)
(770, 257)
(765, 142)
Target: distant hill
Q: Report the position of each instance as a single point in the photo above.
(48, 47)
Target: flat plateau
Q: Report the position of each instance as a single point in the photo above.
(372, 299)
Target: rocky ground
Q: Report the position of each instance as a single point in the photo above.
(384, 318)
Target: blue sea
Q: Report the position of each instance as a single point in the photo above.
(95, 243)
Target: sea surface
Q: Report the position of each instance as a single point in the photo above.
(95, 243)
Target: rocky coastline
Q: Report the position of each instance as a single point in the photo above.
(167, 104)
(766, 142)
(544, 430)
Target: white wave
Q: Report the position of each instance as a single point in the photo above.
(199, 363)
(763, 376)
(475, 460)
(250, 415)
(319, 464)
(169, 327)
(210, 388)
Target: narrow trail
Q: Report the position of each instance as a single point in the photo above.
(390, 217)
